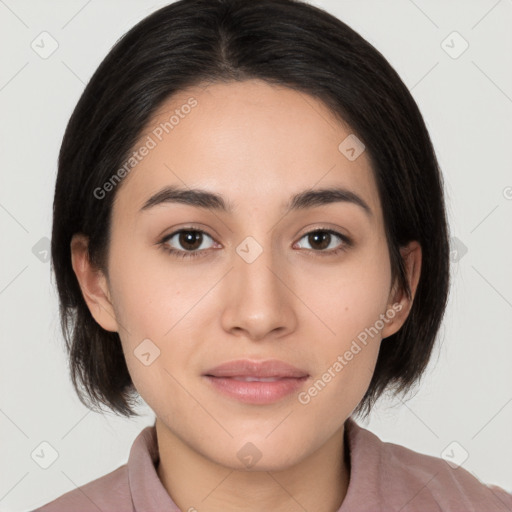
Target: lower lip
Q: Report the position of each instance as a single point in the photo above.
(256, 392)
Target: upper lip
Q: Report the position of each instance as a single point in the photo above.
(248, 368)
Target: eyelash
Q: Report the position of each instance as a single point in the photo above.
(347, 243)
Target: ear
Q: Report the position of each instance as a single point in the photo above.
(93, 284)
(398, 300)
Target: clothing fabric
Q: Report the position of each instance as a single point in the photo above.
(384, 477)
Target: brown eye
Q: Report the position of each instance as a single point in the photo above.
(319, 239)
(324, 241)
(185, 242)
(189, 239)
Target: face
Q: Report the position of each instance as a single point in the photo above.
(190, 288)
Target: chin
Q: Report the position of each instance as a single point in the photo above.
(254, 456)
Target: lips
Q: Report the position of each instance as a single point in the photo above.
(252, 371)
(256, 382)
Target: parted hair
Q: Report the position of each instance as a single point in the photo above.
(284, 42)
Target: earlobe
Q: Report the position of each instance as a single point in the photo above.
(400, 303)
(93, 284)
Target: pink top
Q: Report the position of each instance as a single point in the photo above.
(384, 477)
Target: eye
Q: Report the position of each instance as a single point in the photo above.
(321, 239)
(191, 240)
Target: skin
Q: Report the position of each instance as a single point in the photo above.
(257, 145)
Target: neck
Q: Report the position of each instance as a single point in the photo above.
(319, 482)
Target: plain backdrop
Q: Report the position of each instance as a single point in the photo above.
(455, 57)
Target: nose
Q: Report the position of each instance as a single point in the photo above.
(259, 299)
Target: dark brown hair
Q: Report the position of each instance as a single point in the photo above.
(284, 42)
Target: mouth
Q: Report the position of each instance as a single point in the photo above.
(246, 368)
(257, 391)
(255, 379)
(255, 382)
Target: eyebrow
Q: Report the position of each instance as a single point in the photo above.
(203, 199)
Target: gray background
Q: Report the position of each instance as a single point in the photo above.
(464, 406)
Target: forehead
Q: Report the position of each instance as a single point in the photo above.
(252, 142)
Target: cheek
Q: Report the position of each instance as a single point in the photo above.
(348, 355)
(157, 311)
(350, 304)
(149, 299)
(349, 297)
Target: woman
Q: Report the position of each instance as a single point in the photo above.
(250, 233)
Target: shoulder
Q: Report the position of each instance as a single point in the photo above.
(135, 482)
(405, 478)
(107, 493)
(448, 485)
